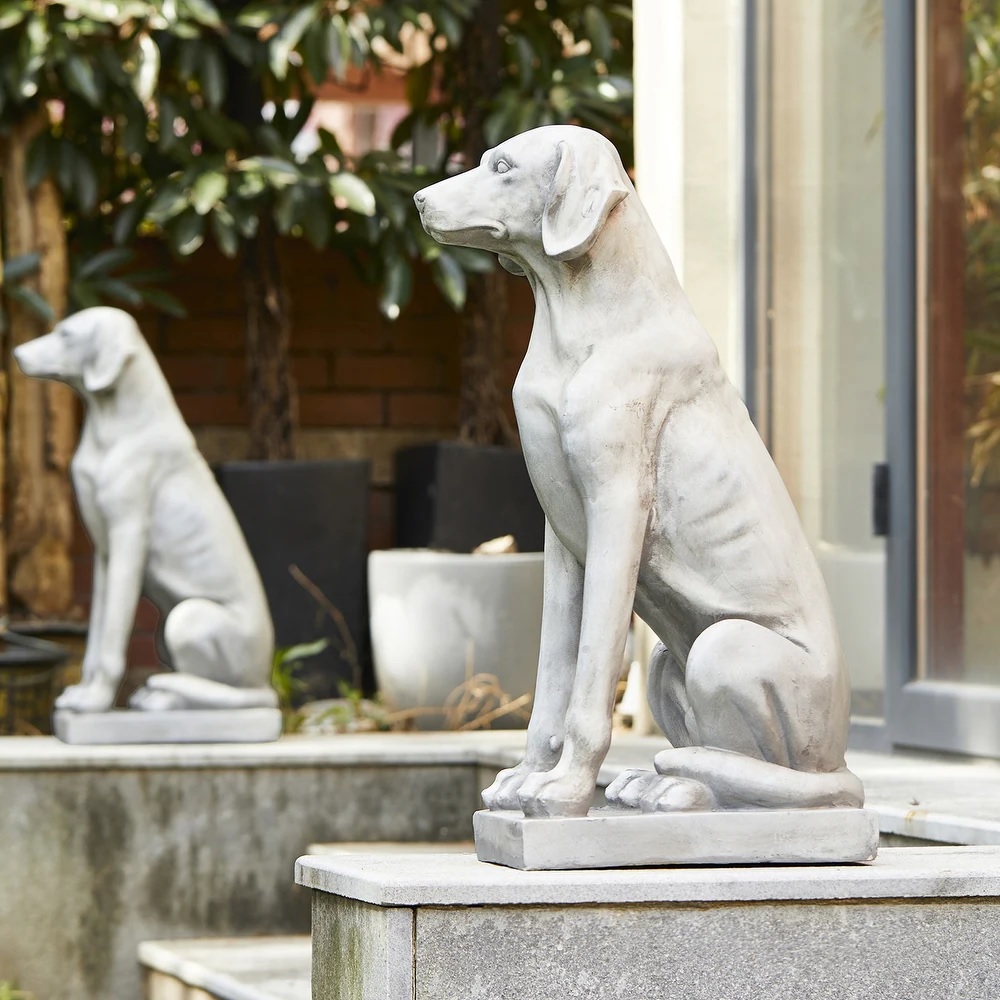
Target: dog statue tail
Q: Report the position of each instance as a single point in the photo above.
(738, 781)
(181, 691)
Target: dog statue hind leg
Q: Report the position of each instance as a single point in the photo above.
(214, 654)
(755, 746)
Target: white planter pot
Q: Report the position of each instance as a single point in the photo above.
(437, 616)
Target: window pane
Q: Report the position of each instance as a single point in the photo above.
(961, 351)
(820, 355)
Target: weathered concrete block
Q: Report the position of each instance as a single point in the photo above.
(104, 847)
(916, 922)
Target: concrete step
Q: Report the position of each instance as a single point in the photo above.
(252, 968)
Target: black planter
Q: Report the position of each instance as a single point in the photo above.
(456, 496)
(313, 515)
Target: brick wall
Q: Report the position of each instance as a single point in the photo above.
(366, 386)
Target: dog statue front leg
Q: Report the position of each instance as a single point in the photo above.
(616, 525)
(110, 629)
(561, 611)
(92, 656)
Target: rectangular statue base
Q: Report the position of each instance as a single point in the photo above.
(627, 838)
(231, 725)
(916, 922)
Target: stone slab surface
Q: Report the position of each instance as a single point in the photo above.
(247, 725)
(395, 847)
(254, 968)
(628, 838)
(917, 950)
(463, 880)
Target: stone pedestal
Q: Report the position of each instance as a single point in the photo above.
(917, 922)
(628, 838)
(244, 725)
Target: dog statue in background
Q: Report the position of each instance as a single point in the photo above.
(659, 495)
(160, 527)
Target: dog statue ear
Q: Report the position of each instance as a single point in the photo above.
(112, 349)
(580, 200)
(511, 265)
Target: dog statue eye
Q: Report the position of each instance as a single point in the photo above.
(502, 166)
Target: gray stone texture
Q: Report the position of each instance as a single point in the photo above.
(761, 951)
(95, 861)
(361, 951)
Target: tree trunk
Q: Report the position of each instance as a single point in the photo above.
(39, 417)
(482, 419)
(269, 387)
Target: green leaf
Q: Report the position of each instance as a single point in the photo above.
(598, 31)
(127, 219)
(450, 279)
(278, 172)
(81, 78)
(316, 226)
(159, 299)
(258, 13)
(288, 38)
(397, 287)
(168, 202)
(449, 26)
(356, 194)
(286, 209)
(313, 49)
(12, 14)
(18, 268)
(37, 164)
(246, 219)
(117, 288)
(187, 233)
(32, 300)
(85, 182)
(418, 84)
(104, 262)
(224, 231)
(208, 190)
(213, 77)
(203, 12)
(302, 651)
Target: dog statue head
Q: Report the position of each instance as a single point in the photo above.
(88, 350)
(550, 189)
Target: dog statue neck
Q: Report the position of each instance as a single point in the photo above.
(619, 283)
(139, 393)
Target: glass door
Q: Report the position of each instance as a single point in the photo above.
(946, 681)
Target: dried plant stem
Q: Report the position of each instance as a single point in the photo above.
(350, 650)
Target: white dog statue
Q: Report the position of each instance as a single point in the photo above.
(659, 496)
(160, 527)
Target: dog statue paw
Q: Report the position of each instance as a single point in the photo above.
(91, 696)
(160, 527)
(659, 497)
